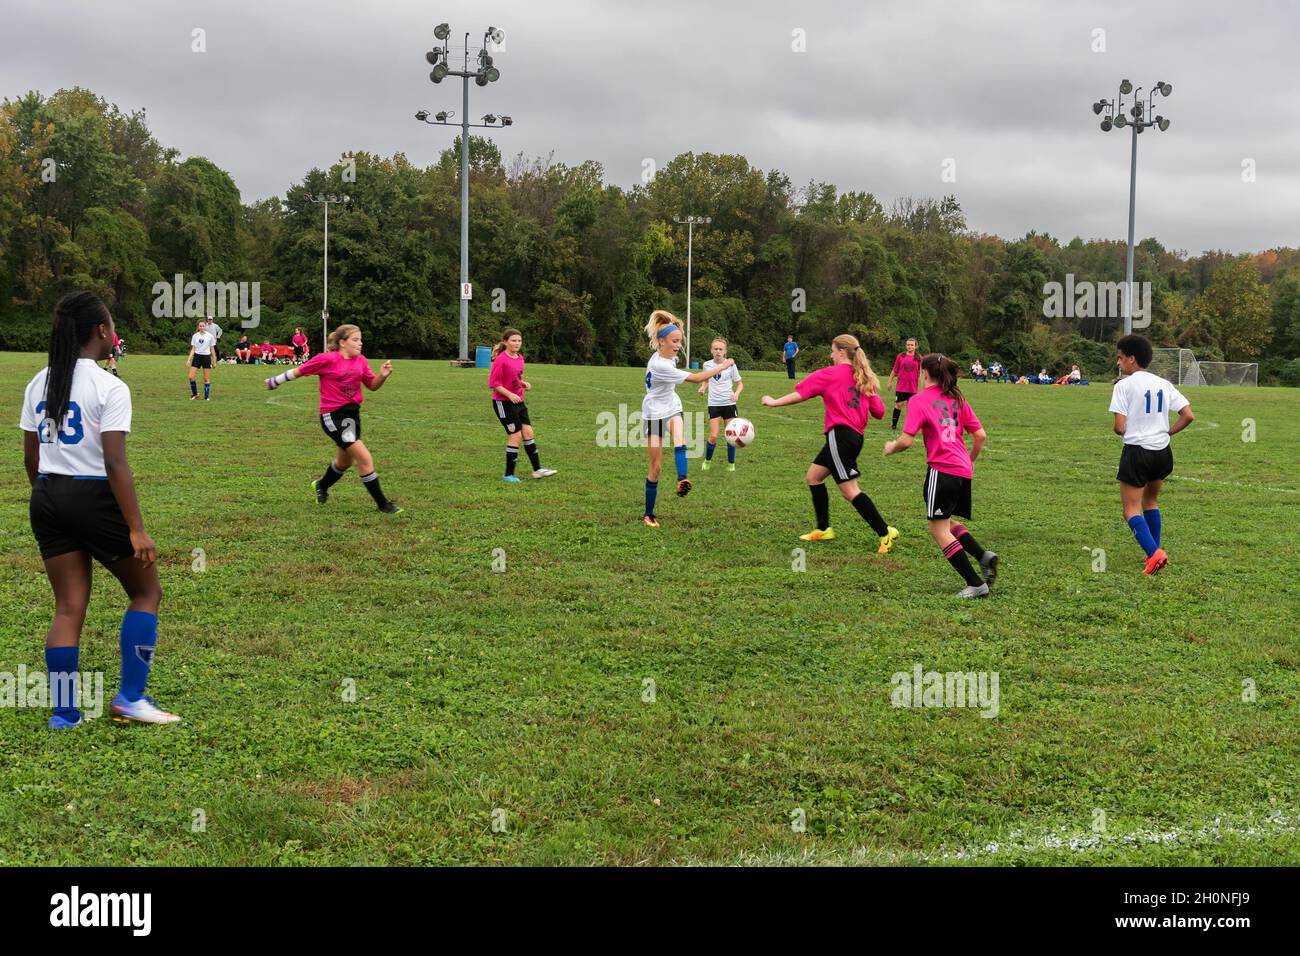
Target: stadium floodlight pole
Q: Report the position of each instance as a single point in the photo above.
(326, 200)
(485, 73)
(690, 223)
(1140, 117)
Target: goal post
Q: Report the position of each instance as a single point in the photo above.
(1182, 367)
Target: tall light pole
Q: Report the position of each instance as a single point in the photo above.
(326, 200)
(484, 74)
(690, 223)
(1140, 117)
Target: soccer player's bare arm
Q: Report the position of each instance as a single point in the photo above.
(1185, 418)
(740, 387)
(31, 455)
(977, 443)
(377, 381)
(901, 443)
(1121, 423)
(704, 374)
(794, 398)
(122, 482)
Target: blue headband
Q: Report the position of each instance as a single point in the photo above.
(666, 330)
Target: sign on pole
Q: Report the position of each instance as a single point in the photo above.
(466, 290)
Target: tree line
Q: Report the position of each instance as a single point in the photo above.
(90, 199)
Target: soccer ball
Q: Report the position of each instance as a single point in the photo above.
(740, 432)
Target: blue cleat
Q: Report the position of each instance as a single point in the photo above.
(62, 723)
(513, 479)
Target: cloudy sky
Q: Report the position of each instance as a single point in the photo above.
(880, 96)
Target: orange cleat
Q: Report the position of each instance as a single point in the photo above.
(1156, 561)
(683, 487)
(649, 521)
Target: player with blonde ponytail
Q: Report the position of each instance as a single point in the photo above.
(850, 391)
(661, 409)
(343, 370)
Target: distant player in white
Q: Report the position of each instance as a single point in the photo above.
(214, 330)
(75, 420)
(1141, 403)
(202, 343)
(661, 409)
(722, 401)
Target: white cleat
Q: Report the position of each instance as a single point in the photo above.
(144, 711)
(544, 472)
(974, 592)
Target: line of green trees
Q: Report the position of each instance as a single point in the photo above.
(90, 199)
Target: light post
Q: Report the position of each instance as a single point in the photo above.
(326, 200)
(690, 223)
(485, 73)
(1140, 117)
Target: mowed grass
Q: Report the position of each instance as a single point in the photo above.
(523, 691)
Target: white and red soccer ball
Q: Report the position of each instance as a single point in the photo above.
(740, 432)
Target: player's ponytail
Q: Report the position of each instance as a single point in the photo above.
(338, 335)
(943, 373)
(75, 317)
(660, 319)
(505, 337)
(863, 376)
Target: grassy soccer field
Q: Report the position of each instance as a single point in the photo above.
(524, 691)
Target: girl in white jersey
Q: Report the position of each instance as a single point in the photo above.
(202, 342)
(722, 401)
(1141, 403)
(661, 409)
(75, 419)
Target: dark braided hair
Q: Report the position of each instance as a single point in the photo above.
(943, 372)
(75, 318)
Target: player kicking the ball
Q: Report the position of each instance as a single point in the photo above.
(722, 402)
(850, 391)
(343, 370)
(1141, 403)
(75, 420)
(661, 409)
(507, 386)
(942, 415)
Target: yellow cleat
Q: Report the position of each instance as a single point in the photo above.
(818, 535)
(887, 542)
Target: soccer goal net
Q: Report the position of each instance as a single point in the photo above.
(1181, 367)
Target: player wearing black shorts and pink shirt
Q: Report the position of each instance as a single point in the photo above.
(850, 391)
(907, 366)
(942, 416)
(506, 385)
(343, 370)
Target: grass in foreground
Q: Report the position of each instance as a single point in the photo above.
(523, 691)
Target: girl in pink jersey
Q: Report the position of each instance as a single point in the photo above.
(506, 385)
(907, 366)
(850, 390)
(343, 370)
(942, 415)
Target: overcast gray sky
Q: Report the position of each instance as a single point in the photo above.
(884, 93)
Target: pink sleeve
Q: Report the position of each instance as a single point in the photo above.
(915, 416)
(813, 384)
(876, 405)
(497, 376)
(314, 365)
(972, 422)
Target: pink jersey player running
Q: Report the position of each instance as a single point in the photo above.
(907, 366)
(343, 370)
(942, 415)
(850, 391)
(506, 385)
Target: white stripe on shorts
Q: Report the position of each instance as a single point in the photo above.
(835, 456)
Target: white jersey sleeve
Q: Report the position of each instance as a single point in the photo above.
(662, 376)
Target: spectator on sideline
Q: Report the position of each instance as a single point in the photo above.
(268, 353)
(996, 371)
(977, 371)
(244, 350)
(790, 350)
